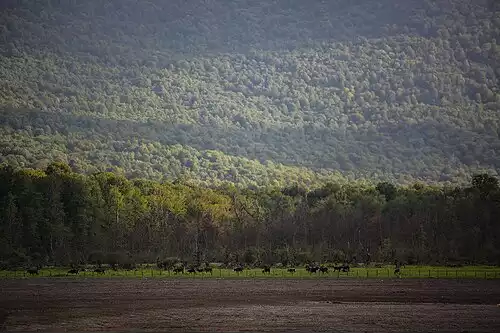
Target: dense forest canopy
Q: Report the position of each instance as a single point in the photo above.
(58, 217)
(253, 93)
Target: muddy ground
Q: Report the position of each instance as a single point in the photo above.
(249, 305)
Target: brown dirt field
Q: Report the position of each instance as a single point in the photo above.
(249, 305)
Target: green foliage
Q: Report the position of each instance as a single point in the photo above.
(64, 218)
(387, 190)
(485, 184)
(236, 132)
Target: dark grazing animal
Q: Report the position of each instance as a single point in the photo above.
(312, 269)
(32, 271)
(266, 269)
(162, 264)
(291, 270)
(99, 270)
(323, 269)
(73, 271)
(343, 268)
(238, 269)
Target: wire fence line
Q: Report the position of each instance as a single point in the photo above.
(275, 273)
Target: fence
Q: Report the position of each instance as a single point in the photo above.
(493, 273)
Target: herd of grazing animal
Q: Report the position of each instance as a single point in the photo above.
(266, 269)
(192, 269)
(323, 269)
(309, 268)
(74, 271)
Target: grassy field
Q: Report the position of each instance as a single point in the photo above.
(469, 272)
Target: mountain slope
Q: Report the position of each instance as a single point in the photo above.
(397, 92)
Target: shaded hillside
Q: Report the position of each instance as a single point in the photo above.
(370, 89)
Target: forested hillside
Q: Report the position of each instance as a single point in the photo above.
(253, 92)
(57, 217)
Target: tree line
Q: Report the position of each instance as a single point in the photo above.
(59, 217)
